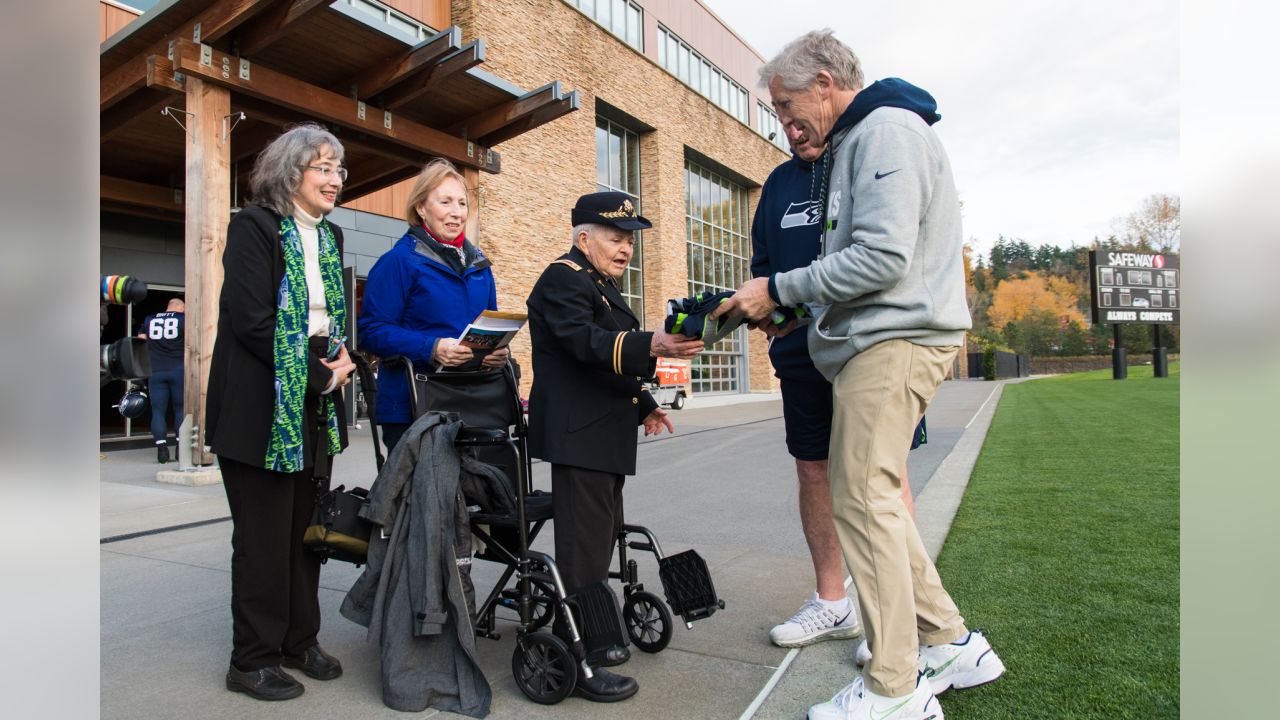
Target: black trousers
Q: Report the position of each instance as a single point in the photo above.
(391, 434)
(588, 516)
(275, 580)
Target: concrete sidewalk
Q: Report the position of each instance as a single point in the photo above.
(723, 484)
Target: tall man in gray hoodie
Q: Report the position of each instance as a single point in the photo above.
(888, 291)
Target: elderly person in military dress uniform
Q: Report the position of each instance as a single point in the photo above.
(589, 362)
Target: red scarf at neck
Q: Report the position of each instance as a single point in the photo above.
(456, 242)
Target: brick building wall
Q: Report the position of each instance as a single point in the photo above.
(524, 210)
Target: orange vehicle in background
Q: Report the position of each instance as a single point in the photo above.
(672, 383)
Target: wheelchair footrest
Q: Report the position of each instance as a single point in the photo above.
(599, 616)
(686, 580)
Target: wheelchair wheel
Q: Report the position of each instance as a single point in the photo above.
(544, 668)
(648, 621)
(541, 606)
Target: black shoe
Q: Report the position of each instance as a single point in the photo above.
(315, 663)
(605, 686)
(269, 683)
(609, 656)
(162, 454)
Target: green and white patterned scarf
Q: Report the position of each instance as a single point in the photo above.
(284, 452)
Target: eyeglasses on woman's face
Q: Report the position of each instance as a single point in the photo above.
(328, 172)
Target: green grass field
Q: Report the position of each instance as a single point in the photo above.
(1065, 550)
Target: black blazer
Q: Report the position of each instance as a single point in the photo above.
(241, 393)
(588, 365)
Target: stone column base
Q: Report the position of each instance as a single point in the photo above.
(195, 476)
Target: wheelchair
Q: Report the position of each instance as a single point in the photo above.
(545, 667)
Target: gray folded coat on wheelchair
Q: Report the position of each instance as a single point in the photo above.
(426, 555)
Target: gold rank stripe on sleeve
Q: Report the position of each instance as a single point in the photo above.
(576, 267)
(617, 353)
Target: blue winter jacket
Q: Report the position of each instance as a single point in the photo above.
(414, 296)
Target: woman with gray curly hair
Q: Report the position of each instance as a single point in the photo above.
(274, 411)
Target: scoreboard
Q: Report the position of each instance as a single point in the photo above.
(1138, 288)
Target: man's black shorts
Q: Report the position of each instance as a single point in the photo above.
(807, 410)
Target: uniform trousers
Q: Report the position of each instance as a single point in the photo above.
(275, 580)
(587, 506)
(165, 388)
(880, 395)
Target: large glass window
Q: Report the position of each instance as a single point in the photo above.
(767, 124)
(718, 252)
(620, 17)
(618, 169)
(677, 58)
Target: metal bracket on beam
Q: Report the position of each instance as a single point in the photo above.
(169, 110)
(386, 119)
(244, 69)
(206, 55)
(359, 110)
(227, 130)
(471, 149)
(195, 33)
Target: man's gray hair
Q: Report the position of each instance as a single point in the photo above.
(587, 228)
(277, 174)
(797, 65)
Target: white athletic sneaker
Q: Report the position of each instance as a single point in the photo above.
(856, 702)
(815, 622)
(964, 664)
(863, 655)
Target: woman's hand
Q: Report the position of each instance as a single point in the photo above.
(450, 354)
(497, 358)
(655, 421)
(342, 367)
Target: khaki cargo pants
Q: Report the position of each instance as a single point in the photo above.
(879, 397)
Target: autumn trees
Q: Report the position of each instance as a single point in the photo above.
(1035, 299)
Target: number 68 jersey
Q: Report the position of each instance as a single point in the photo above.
(164, 333)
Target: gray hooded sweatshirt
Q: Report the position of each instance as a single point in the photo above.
(891, 264)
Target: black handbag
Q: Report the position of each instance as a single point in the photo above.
(482, 398)
(337, 531)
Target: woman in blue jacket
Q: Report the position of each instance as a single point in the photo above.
(423, 292)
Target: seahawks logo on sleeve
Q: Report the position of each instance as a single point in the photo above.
(799, 214)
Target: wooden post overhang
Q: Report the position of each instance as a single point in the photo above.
(265, 84)
(216, 21)
(275, 24)
(461, 60)
(517, 116)
(419, 59)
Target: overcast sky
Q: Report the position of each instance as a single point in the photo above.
(1058, 117)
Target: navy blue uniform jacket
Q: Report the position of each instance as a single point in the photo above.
(589, 359)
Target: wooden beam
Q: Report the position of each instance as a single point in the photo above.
(417, 60)
(291, 93)
(131, 192)
(473, 201)
(281, 117)
(208, 205)
(462, 60)
(273, 25)
(122, 82)
(160, 75)
(173, 216)
(496, 117)
(366, 183)
(142, 103)
(216, 21)
(535, 119)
